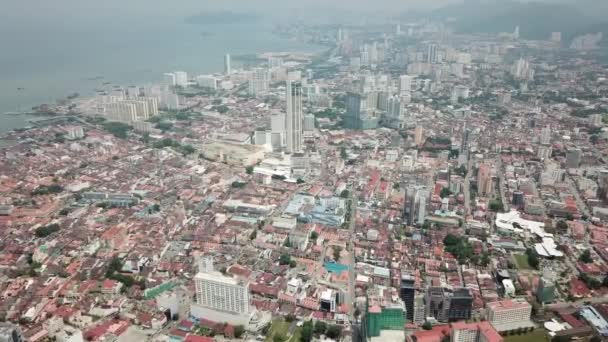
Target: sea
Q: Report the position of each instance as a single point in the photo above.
(41, 65)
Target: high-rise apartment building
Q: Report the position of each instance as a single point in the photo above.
(181, 79)
(484, 179)
(405, 84)
(432, 56)
(474, 332)
(508, 315)
(218, 292)
(259, 81)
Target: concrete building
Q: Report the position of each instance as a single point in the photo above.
(169, 80)
(573, 158)
(181, 79)
(508, 315)
(233, 154)
(405, 84)
(449, 305)
(259, 81)
(474, 332)
(121, 112)
(227, 67)
(218, 292)
(207, 82)
(432, 56)
(293, 117)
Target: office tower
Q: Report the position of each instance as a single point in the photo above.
(573, 158)
(545, 292)
(448, 306)
(293, 117)
(227, 68)
(407, 294)
(181, 79)
(169, 80)
(474, 332)
(431, 57)
(419, 135)
(218, 292)
(10, 333)
(405, 84)
(259, 81)
(360, 111)
(518, 199)
(396, 113)
(509, 314)
(484, 179)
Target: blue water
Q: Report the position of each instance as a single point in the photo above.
(335, 267)
(53, 60)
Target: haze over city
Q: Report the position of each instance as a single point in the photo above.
(310, 171)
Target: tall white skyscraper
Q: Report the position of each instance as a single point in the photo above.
(293, 117)
(227, 68)
(181, 78)
(218, 292)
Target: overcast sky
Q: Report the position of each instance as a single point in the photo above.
(72, 10)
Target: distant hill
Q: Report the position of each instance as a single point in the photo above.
(222, 17)
(536, 20)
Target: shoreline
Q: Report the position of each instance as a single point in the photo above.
(36, 116)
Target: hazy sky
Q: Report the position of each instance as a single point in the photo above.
(83, 10)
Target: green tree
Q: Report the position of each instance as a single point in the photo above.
(293, 263)
(427, 325)
(278, 338)
(253, 235)
(586, 257)
(300, 181)
(307, 331)
(239, 331)
(320, 327)
(496, 205)
(334, 332)
(314, 236)
(532, 258)
(343, 153)
(284, 259)
(249, 170)
(337, 251)
(561, 225)
(344, 194)
(445, 192)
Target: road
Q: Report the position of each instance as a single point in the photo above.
(577, 196)
(351, 250)
(467, 189)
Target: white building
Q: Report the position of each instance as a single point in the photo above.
(259, 81)
(218, 292)
(169, 80)
(405, 84)
(227, 68)
(121, 112)
(509, 314)
(181, 79)
(207, 81)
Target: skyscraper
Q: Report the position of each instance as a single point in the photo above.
(259, 81)
(227, 69)
(432, 54)
(407, 294)
(169, 80)
(293, 117)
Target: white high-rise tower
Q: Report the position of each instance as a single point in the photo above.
(293, 118)
(227, 68)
